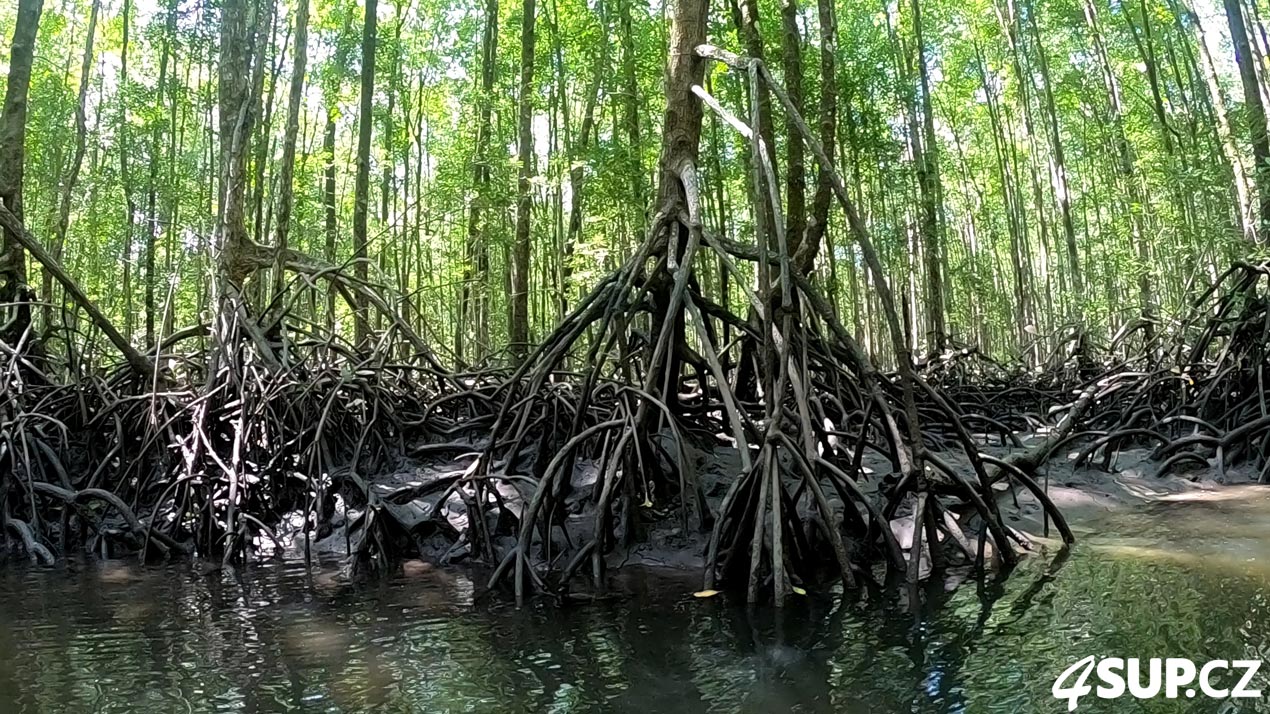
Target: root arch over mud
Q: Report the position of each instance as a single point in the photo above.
(656, 375)
(752, 429)
(211, 451)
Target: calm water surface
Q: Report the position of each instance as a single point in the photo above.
(1173, 580)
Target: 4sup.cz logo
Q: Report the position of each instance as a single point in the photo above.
(1171, 677)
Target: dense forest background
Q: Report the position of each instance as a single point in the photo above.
(1022, 164)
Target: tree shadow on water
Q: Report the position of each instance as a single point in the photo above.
(868, 651)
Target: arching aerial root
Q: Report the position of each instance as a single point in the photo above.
(799, 481)
(208, 450)
(1197, 395)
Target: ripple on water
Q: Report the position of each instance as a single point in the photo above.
(1172, 580)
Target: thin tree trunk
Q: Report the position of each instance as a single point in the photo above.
(152, 186)
(1135, 203)
(12, 160)
(1256, 113)
(1058, 172)
(361, 190)
(796, 169)
(477, 260)
(295, 102)
(77, 161)
(752, 41)
(263, 139)
(1011, 25)
(328, 203)
(518, 323)
(805, 258)
(1231, 155)
(577, 148)
(125, 180)
(931, 198)
(630, 120)
(1023, 307)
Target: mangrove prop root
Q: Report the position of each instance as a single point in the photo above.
(781, 490)
(190, 449)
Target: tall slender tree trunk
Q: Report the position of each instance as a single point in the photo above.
(1256, 112)
(262, 105)
(1135, 203)
(1257, 43)
(805, 257)
(1020, 269)
(421, 192)
(77, 161)
(1058, 169)
(518, 323)
(1012, 27)
(752, 41)
(758, 359)
(361, 189)
(178, 113)
(12, 163)
(630, 118)
(577, 148)
(152, 183)
(477, 249)
(295, 101)
(1231, 155)
(931, 190)
(911, 192)
(387, 190)
(796, 168)
(328, 203)
(125, 174)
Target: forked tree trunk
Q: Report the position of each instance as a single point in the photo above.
(805, 255)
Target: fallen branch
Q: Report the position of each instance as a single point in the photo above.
(139, 363)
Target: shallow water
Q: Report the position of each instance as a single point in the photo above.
(1175, 579)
